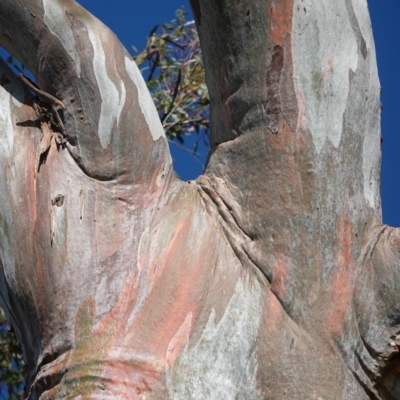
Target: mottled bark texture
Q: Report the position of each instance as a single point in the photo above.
(269, 277)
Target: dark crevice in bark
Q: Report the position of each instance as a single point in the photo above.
(374, 355)
(44, 384)
(389, 378)
(371, 393)
(273, 101)
(39, 385)
(373, 378)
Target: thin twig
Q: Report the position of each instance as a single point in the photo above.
(40, 92)
(153, 66)
(60, 123)
(175, 44)
(178, 81)
(190, 122)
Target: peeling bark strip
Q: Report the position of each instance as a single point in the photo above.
(270, 277)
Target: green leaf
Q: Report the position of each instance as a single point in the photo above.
(153, 31)
(168, 27)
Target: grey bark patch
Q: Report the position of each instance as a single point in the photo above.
(334, 53)
(362, 45)
(56, 20)
(222, 365)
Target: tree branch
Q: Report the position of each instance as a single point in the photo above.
(178, 81)
(119, 105)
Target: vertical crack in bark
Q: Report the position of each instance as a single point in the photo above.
(273, 101)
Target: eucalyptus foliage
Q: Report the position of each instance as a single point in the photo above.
(170, 48)
(11, 363)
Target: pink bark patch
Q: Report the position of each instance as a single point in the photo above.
(280, 13)
(279, 279)
(179, 340)
(273, 313)
(341, 290)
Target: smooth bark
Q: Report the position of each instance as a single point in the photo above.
(269, 277)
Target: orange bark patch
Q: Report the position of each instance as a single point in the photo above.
(285, 140)
(341, 290)
(179, 340)
(177, 286)
(31, 173)
(173, 274)
(273, 313)
(280, 13)
(120, 313)
(291, 171)
(279, 278)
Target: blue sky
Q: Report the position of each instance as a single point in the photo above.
(132, 21)
(385, 17)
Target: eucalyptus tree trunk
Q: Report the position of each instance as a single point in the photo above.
(269, 277)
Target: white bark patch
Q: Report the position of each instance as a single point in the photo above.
(145, 101)
(324, 49)
(59, 26)
(58, 227)
(112, 102)
(6, 127)
(222, 365)
(6, 211)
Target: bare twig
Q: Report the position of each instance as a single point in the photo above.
(174, 44)
(178, 81)
(153, 66)
(40, 92)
